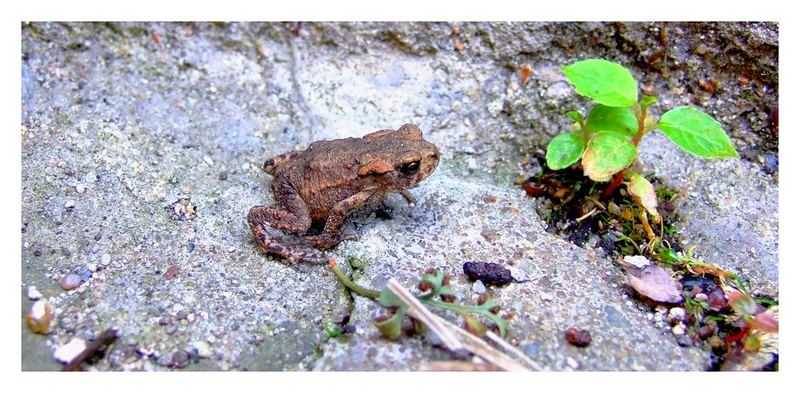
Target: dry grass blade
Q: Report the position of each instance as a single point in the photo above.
(485, 351)
(508, 347)
(458, 366)
(448, 332)
(420, 312)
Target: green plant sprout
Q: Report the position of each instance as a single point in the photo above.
(436, 293)
(606, 141)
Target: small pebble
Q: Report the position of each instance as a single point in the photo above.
(705, 331)
(40, 316)
(33, 293)
(478, 287)
(678, 329)
(572, 363)
(717, 300)
(70, 350)
(70, 204)
(92, 267)
(180, 359)
(684, 341)
(70, 281)
(80, 188)
(701, 297)
(202, 348)
(676, 315)
(578, 337)
(105, 259)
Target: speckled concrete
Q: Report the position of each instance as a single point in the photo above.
(125, 119)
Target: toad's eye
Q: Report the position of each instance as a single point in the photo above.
(410, 168)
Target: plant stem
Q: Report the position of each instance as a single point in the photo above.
(613, 185)
(640, 133)
(365, 292)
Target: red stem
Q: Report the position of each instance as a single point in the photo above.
(613, 186)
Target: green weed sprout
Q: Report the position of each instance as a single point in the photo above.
(606, 141)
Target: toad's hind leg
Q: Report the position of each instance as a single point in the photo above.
(293, 218)
(261, 217)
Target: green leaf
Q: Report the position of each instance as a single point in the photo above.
(611, 118)
(607, 154)
(387, 298)
(575, 116)
(696, 133)
(392, 327)
(647, 101)
(473, 325)
(644, 193)
(742, 303)
(564, 150)
(603, 81)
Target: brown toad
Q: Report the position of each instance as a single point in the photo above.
(320, 186)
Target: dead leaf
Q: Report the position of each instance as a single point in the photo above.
(654, 282)
(643, 193)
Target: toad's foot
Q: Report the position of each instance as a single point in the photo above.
(293, 253)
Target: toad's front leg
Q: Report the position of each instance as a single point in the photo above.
(331, 235)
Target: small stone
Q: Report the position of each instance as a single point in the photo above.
(478, 287)
(231, 249)
(717, 300)
(490, 235)
(40, 316)
(572, 363)
(70, 281)
(678, 329)
(578, 337)
(70, 350)
(613, 209)
(164, 321)
(70, 204)
(105, 259)
(701, 297)
(191, 317)
(202, 348)
(33, 293)
(676, 315)
(638, 261)
(208, 160)
(684, 341)
(180, 359)
(705, 331)
(92, 267)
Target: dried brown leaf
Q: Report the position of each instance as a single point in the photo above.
(655, 283)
